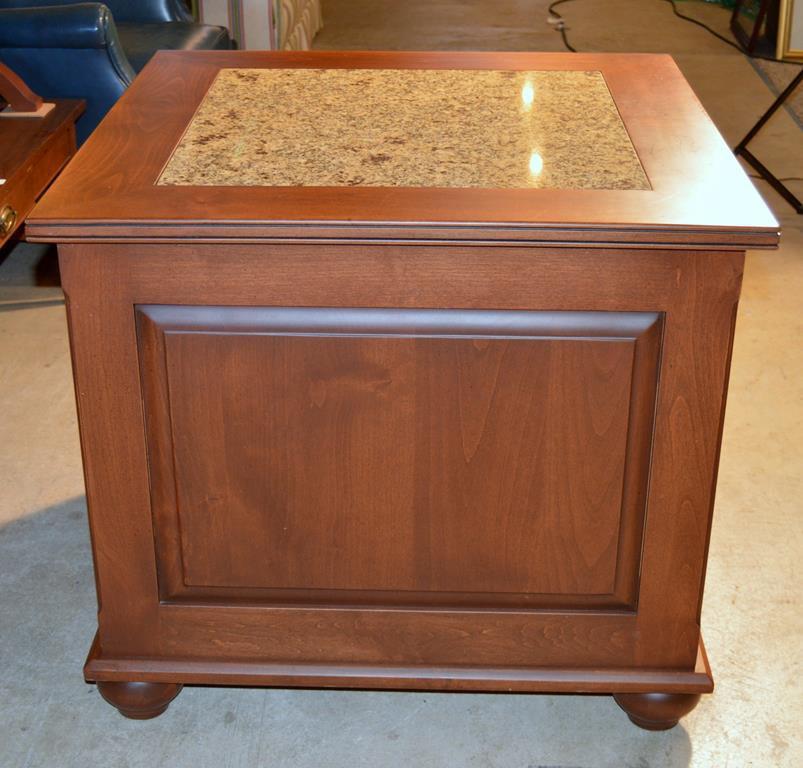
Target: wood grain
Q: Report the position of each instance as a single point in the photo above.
(506, 679)
(18, 95)
(32, 152)
(695, 292)
(398, 457)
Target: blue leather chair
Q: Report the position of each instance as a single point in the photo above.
(92, 51)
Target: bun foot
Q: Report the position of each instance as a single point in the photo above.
(139, 701)
(656, 711)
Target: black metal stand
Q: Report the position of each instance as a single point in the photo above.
(741, 147)
(749, 39)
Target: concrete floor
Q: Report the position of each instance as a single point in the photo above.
(752, 618)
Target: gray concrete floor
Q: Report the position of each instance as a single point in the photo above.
(752, 618)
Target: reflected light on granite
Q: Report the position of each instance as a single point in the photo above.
(527, 95)
(407, 128)
(536, 163)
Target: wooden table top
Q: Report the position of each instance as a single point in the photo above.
(533, 147)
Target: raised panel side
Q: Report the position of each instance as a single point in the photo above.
(517, 474)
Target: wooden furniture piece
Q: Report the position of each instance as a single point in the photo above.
(17, 95)
(403, 371)
(36, 141)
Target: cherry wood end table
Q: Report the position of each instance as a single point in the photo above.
(32, 152)
(403, 370)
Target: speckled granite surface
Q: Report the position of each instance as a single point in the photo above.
(411, 128)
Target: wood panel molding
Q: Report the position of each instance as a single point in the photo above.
(280, 382)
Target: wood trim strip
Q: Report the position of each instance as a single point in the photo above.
(503, 679)
(44, 231)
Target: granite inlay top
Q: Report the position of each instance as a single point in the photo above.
(407, 128)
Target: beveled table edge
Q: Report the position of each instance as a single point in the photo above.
(369, 232)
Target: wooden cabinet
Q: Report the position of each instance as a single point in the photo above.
(368, 434)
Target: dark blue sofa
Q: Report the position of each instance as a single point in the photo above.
(92, 51)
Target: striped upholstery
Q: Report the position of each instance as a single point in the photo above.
(266, 24)
(299, 22)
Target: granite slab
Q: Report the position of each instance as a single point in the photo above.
(407, 128)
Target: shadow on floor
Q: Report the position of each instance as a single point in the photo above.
(34, 264)
(47, 602)
(29, 276)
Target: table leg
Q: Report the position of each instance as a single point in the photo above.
(656, 711)
(139, 701)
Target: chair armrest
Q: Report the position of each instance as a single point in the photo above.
(67, 52)
(144, 11)
(82, 25)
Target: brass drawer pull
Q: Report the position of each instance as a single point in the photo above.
(8, 218)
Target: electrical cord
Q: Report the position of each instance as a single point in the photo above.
(716, 34)
(556, 20)
(560, 25)
(785, 178)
